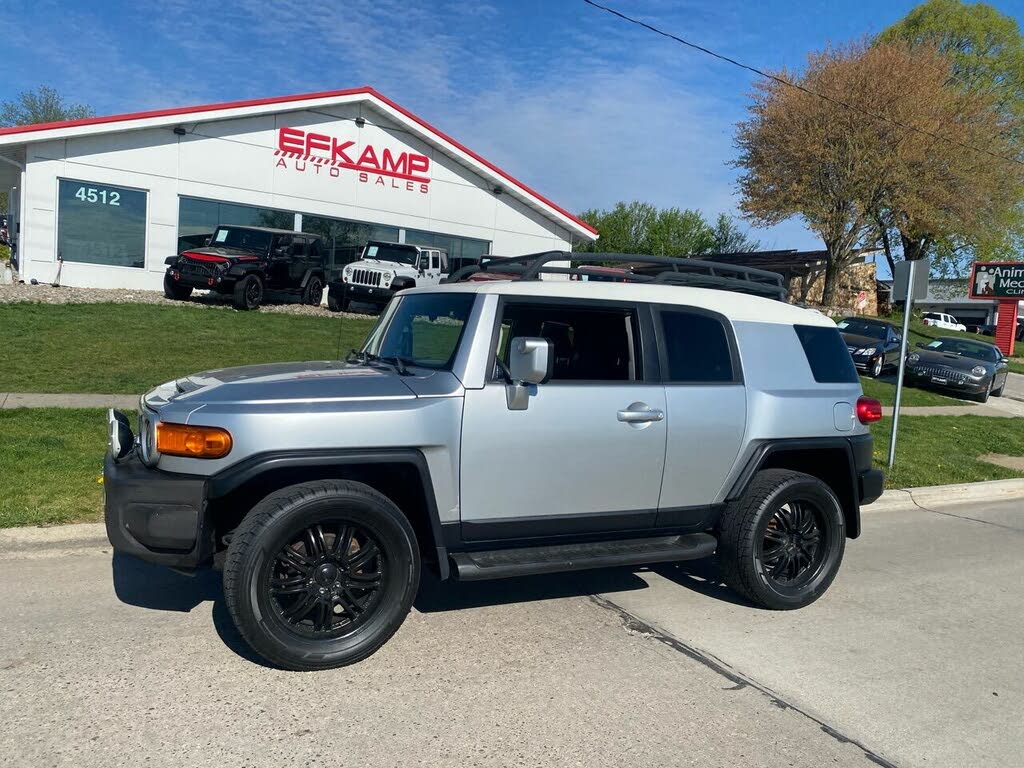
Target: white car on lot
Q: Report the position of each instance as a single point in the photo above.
(944, 321)
(383, 270)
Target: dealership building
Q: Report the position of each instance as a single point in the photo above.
(113, 197)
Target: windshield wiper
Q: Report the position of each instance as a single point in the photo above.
(399, 363)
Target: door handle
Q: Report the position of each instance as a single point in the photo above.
(638, 413)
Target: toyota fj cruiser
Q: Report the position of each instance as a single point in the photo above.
(383, 270)
(245, 262)
(502, 428)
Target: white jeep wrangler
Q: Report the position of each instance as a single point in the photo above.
(382, 270)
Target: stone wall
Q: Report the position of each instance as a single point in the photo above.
(849, 284)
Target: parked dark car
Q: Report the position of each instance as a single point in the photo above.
(245, 262)
(873, 344)
(974, 368)
(982, 329)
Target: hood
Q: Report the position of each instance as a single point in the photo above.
(855, 340)
(315, 381)
(222, 253)
(956, 362)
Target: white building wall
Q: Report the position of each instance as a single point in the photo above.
(234, 161)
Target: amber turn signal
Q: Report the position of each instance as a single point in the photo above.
(192, 442)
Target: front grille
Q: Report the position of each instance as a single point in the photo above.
(189, 267)
(943, 372)
(366, 277)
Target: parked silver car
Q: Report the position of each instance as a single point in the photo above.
(503, 428)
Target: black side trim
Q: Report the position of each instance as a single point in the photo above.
(235, 476)
(556, 525)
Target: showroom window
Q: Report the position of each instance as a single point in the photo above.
(197, 219)
(458, 248)
(101, 224)
(344, 240)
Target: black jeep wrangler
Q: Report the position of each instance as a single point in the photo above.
(248, 261)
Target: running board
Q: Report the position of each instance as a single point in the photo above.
(523, 561)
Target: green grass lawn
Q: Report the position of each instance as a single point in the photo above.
(130, 348)
(1017, 365)
(51, 459)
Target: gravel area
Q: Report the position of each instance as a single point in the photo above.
(47, 294)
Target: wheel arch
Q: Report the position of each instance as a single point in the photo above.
(311, 273)
(400, 474)
(831, 460)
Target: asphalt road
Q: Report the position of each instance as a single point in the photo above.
(914, 658)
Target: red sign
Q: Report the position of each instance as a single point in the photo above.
(318, 153)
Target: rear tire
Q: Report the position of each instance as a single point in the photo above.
(313, 293)
(321, 574)
(176, 291)
(782, 543)
(248, 293)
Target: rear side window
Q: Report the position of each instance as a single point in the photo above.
(827, 354)
(697, 348)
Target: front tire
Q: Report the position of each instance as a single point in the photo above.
(782, 543)
(983, 397)
(876, 368)
(999, 392)
(176, 291)
(336, 304)
(248, 293)
(321, 574)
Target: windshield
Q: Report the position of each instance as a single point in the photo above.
(422, 329)
(401, 254)
(862, 328)
(965, 348)
(249, 239)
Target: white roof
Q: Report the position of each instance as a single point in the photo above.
(735, 306)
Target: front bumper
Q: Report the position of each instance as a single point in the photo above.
(367, 293)
(154, 515)
(927, 380)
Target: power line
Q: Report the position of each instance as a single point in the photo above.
(797, 86)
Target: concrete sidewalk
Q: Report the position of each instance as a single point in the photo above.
(9, 400)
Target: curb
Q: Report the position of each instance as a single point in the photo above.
(910, 498)
(30, 541)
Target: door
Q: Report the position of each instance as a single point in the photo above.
(706, 411)
(280, 258)
(299, 261)
(893, 342)
(587, 453)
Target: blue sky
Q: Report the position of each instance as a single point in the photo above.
(581, 106)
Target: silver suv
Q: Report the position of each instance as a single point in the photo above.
(497, 428)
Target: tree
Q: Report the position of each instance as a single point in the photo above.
(729, 238)
(43, 105)
(843, 171)
(642, 228)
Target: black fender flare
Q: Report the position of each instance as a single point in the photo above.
(313, 272)
(250, 468)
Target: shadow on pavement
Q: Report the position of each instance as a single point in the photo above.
(700, 576)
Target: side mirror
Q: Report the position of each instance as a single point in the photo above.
(531, 362)
(920, 345)
(1004, 360)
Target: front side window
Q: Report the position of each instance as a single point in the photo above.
(697, 348)
(422, 329)
(590, 343)
(101, 224)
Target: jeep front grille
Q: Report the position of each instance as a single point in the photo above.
(189, 267)
(366, 277)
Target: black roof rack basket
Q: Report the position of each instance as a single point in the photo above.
(635, 268)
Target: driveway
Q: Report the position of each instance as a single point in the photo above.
(914, 658)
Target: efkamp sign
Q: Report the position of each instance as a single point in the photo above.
(997, 280)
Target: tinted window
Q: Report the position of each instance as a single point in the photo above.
(101, 224)
(863, 328)
(827, 354)
(589, 343)
(697, 348)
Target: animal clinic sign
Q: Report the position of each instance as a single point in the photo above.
(997, 280)
(310, 152)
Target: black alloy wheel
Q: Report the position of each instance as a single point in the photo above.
(326, 579)
(248, 292)
(781, 544)
(791, 548)
(876, 368)
(321, 574)
(314, 292)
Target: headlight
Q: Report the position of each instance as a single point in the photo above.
(978, 370)
(387, 277)
(347, 273)
(913, 357)
(865, 351)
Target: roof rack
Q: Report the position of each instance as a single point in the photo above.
(635, 268)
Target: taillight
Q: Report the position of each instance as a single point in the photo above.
(869, 410)
(192, 442)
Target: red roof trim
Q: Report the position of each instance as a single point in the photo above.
(365, 90)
